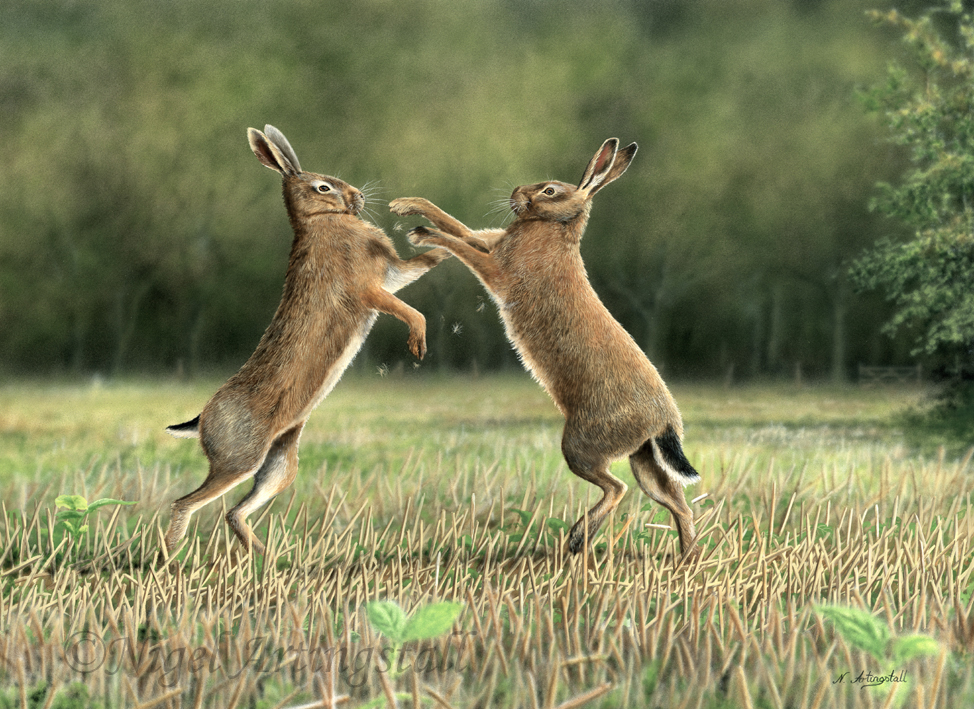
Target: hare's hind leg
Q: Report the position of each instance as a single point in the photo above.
(664, 488)
(279, 469)
(223, 476)
(594, 468)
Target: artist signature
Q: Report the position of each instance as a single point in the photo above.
(868, 679)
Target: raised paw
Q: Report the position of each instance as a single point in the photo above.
(417, 343)
(420, 236)
(404, 206)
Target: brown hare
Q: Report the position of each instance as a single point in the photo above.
(614, 401)
(342, 272)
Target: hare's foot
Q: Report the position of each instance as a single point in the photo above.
(688, 557)
(404, 206)
(574, 555)
(417, 342)
(421, 236)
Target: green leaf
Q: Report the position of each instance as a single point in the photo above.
(557, 524)
(911, 646)
(859, 628)
(72, 502)
(74, 529)
(101, 503)
(387, 618)
(431, 621)
(65, 515)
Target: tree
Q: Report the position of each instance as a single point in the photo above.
(929, 111)
(138, 232)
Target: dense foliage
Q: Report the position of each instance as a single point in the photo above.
(137, 231)
(930, 110)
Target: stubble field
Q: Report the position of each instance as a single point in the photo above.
(836, 554)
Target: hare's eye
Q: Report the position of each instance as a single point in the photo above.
(550, 191)
(323, 188)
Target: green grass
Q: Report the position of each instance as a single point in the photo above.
(50, 431)
(408, 492)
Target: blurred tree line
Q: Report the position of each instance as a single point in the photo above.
(928, 108)
(139, 233)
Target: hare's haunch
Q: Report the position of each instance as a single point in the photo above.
(342, 272)
(614, 401)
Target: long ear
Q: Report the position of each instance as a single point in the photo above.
(277, 137)
(599, 166)
(619, 165)
(269, 154)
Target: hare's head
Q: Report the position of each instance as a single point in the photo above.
(306, 193)
(556, 201)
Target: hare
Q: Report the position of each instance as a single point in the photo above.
(614, 402)
(342, 272)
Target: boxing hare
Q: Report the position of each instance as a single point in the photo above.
(614, 402)
(342, 272)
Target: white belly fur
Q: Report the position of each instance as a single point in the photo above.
(338, 368)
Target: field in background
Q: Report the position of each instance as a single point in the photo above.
(423, 491)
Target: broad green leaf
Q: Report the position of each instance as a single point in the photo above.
(859, 628)
(65, 515)
(556, 524)
(387, 618)
(101, 503)
(72, 502)
(911, 646)
(432, 621)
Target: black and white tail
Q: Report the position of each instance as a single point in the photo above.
(668, 453)
(190, 429)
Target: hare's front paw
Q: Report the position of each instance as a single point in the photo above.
(404, 206)
(420, 236)
(417, 343)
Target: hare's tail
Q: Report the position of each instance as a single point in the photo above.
(668, 453)
(190, 429)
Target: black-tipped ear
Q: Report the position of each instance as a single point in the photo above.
(619, 165)
(599, 166)
(269, 154)
(612, 172)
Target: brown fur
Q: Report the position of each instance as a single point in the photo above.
(342, 272)
(614, 401)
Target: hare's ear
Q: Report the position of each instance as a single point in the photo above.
(599, 166)
(619, 165)
(608, 164)
(281, 142)
(270, 154)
